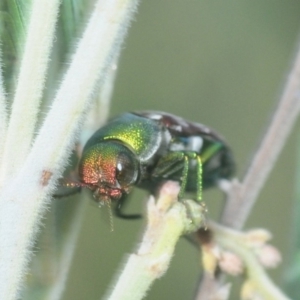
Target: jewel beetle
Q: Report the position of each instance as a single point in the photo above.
(144, 149)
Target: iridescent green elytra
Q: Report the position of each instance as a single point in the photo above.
(146, 148)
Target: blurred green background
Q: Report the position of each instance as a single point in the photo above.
(221, 63)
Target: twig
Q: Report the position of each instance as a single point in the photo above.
(3, 114)
(25, 197)
(168, 219)
(66, 254)
(97, 116)
(242, 196)
(100, 110)
(209, 288)
(235, 242)
(30, 85)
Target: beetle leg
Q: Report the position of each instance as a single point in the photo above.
(199, 178)
(169, 164)
(179, 161)
(187, 157)
(184, 177)
(118, 210)
(210, 151)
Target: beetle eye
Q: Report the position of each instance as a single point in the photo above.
(126, 169)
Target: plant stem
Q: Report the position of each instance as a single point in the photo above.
(243, 196)
(66, 253)
(100, 110)
(25, 197)
(234, 242)
(97, 117)
(30, 85)
(3, 115)
(168, 219)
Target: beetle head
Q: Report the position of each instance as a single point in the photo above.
(109, 169)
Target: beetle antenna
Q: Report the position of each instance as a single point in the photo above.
(74, 183)
(111, 221)
(61, 191)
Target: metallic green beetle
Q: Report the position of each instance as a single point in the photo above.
(144, 149)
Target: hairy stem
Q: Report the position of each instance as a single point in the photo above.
(3, 116)
(25, 197)
(30, 85)
(168, 219)
(66, 254)
(97, 117)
